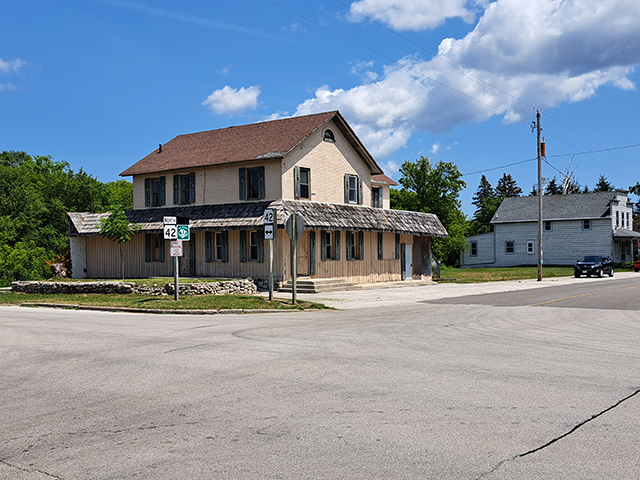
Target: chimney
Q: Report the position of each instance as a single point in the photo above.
(160, 148)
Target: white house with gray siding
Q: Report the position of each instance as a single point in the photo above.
(598, 223)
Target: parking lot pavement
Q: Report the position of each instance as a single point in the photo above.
(394, 293)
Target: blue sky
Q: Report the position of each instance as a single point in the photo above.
(100, 83)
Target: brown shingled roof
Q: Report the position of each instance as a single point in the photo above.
(272, 139)
(382, 178)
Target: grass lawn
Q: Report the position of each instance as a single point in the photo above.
(479, 275)
(186, 302)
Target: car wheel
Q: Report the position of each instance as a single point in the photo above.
(601, 273)
(611, 273)
(577, 275)
(636, 269)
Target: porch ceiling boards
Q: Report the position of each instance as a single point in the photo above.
(249, 215)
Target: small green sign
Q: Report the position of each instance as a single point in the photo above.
(183, 232)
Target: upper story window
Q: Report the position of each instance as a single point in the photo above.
(547, 226)
(302, 182)
(251, 181)
(352, 189)
(154, 192)
(184, 187)
(376, 197)
(329, 136)
(586, 225)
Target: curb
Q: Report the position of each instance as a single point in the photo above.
(222, 311)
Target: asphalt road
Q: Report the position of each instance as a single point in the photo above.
(467, 390)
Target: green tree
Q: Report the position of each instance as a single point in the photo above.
(486, 202)
(507, 187)
(435, 189)
(553, 188)
(120, 194)
(603, 185)
(116, 227)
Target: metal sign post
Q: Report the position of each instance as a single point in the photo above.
(269, 234)
(176, 229)
(176, 252)
(294, 227)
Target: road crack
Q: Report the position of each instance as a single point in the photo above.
(35, 470)
(556, 439)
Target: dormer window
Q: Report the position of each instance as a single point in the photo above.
(329, 136)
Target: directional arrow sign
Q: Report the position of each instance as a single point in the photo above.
(183, 232)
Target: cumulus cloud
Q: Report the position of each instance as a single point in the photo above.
(542, 52)
(412, 14)
(231, 101)
(11, 66)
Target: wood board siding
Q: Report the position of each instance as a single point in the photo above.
(486, 251)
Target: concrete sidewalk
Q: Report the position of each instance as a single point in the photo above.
(399, 293)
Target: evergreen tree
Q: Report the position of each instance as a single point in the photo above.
(603, 185)
(507, 187)
(486, 203)
(553, 188)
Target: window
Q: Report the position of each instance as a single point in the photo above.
(302, 180)
(530, 247)
(216, 245)
(509, 247)
(548, 227)
(617, 219)
(251, 182)
(628, 222)
(184, 189)
(154, 194)
(252, 248)
(474, 249)
(329, 245)
(586, 225)
(376, 197)
(154, 247)
(352, 189)
(355, 245)
(329, 136)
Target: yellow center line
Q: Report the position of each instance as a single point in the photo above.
(583, 295)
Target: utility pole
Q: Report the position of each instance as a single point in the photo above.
(540, 192)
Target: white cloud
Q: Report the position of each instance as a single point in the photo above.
(411, 14)
(435, 148)
(230, 101)
(11, 66)
(544, 52)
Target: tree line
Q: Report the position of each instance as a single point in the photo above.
(36, 192)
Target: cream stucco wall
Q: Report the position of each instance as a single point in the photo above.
(328, 163)
(215, 184)
(386, 199)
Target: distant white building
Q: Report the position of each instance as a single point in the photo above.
(574, 225)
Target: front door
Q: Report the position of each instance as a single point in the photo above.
(303, 255)
(406, 259)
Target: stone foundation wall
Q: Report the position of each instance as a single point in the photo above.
(246, 286)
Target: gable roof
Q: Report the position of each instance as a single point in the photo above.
(256, 141)
(382, 178)
(555, 207)
(246, 216)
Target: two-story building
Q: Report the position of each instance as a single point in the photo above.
(599, 223)
(223, 180)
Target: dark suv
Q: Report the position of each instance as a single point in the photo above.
(593, 265)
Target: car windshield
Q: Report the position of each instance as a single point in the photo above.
(590, 259)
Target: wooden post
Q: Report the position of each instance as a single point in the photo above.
(540, 193)
(294, 257)
(175, 277)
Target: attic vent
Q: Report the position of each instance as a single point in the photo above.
(329, 136)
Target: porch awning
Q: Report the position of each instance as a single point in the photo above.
(249, 215)
(624, 234)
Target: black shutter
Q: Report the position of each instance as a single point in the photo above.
(207, 246)
(312, 253)
(380, 245)
(397, 246)
(296, 182)
(323, 245)
(361, 252)
(350, 240)
(337, 240)
(147, 192)
(243, 246)
(403, 263)
(147, 246)
(176, 189)
(261, 245)
(359, 190)
(225, 246)
(163, 198)
(346, 188)
(192, 187)
(261, 183)
(241, 179)
(161, 244)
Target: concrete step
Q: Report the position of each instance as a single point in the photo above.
(308, 285)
